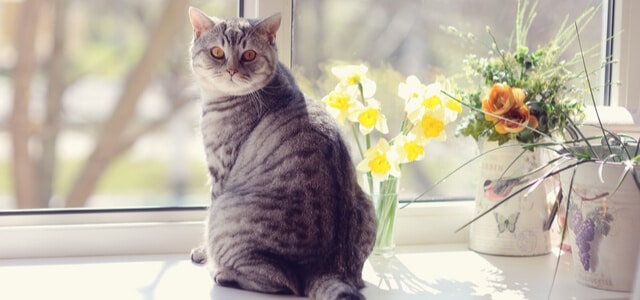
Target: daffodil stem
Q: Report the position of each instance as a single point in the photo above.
(404, 124)
(361, 90)
(367, 139)
(355, 137)
(370, 182)
(386, 203)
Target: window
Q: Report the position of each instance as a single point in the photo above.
(159, 162)
(104, 39)
(396, 39)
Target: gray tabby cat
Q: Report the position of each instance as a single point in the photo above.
(287, 214)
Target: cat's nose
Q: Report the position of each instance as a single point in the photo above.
(232, 71)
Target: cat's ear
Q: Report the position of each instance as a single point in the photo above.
(200, 21)
(270, 26)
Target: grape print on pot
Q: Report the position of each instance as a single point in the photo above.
(588, 231)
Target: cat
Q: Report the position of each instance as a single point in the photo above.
(287, 215)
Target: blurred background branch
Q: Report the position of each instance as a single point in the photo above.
(24, 173)
(113, 129)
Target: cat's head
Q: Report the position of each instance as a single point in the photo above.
(233, 56)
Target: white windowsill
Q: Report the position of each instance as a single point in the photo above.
(447, 271)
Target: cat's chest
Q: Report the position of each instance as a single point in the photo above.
(219, 147)
(223, 134)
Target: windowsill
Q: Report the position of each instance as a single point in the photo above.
(447, 271)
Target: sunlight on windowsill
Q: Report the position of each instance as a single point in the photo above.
(445, 271)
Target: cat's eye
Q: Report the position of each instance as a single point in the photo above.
(249, 55)
(217, 52)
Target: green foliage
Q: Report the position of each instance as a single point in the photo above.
(553, 94)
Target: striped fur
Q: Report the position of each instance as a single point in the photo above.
(287, 214)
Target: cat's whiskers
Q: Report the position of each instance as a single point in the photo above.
(256, 99)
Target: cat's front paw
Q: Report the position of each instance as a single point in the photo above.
(199, 255)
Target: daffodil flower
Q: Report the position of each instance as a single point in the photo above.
(339, 104)
(353, 75)
(427, 109)
(381, 161)
(431, 125)
(451, 106)
(431, 100)
(412, 88)
(409, 147)
(369, 117)
(453, 109)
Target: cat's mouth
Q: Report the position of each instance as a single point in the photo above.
(237, 78)
(236, 84)
(234, 79)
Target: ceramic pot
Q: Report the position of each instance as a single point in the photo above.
(603, 225)
(514, 228)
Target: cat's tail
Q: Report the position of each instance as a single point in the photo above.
(333, 288)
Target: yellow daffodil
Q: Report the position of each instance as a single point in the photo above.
(340, 103)
(353, 75)
(428, 109)
(452, 107)
(409, 147)
(381, 161)
(431, 125)
(412, 88)
(369, 117)
(429, 101)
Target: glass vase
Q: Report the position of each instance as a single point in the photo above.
(384, 196)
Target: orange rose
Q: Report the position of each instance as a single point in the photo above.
(501, 99)
(508, 103)
(518, 119)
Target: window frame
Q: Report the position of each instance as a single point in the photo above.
(627, 31)
(99, 232)
(131, 231)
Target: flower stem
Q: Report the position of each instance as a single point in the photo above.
(355, 137)
(404, 124)
(386, 202)
(370, 183)
(367, 139)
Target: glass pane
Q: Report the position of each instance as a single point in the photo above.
(396, 39)
(84, 60)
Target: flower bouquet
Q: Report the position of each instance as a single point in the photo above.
(426, 112)
(520, 102)
(530, 100)
(520, 94)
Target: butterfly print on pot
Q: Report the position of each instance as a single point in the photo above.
(506, 224)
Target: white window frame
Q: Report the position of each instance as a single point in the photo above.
(627, 71)
(85, 232)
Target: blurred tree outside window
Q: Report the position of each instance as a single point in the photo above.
(98, 108)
